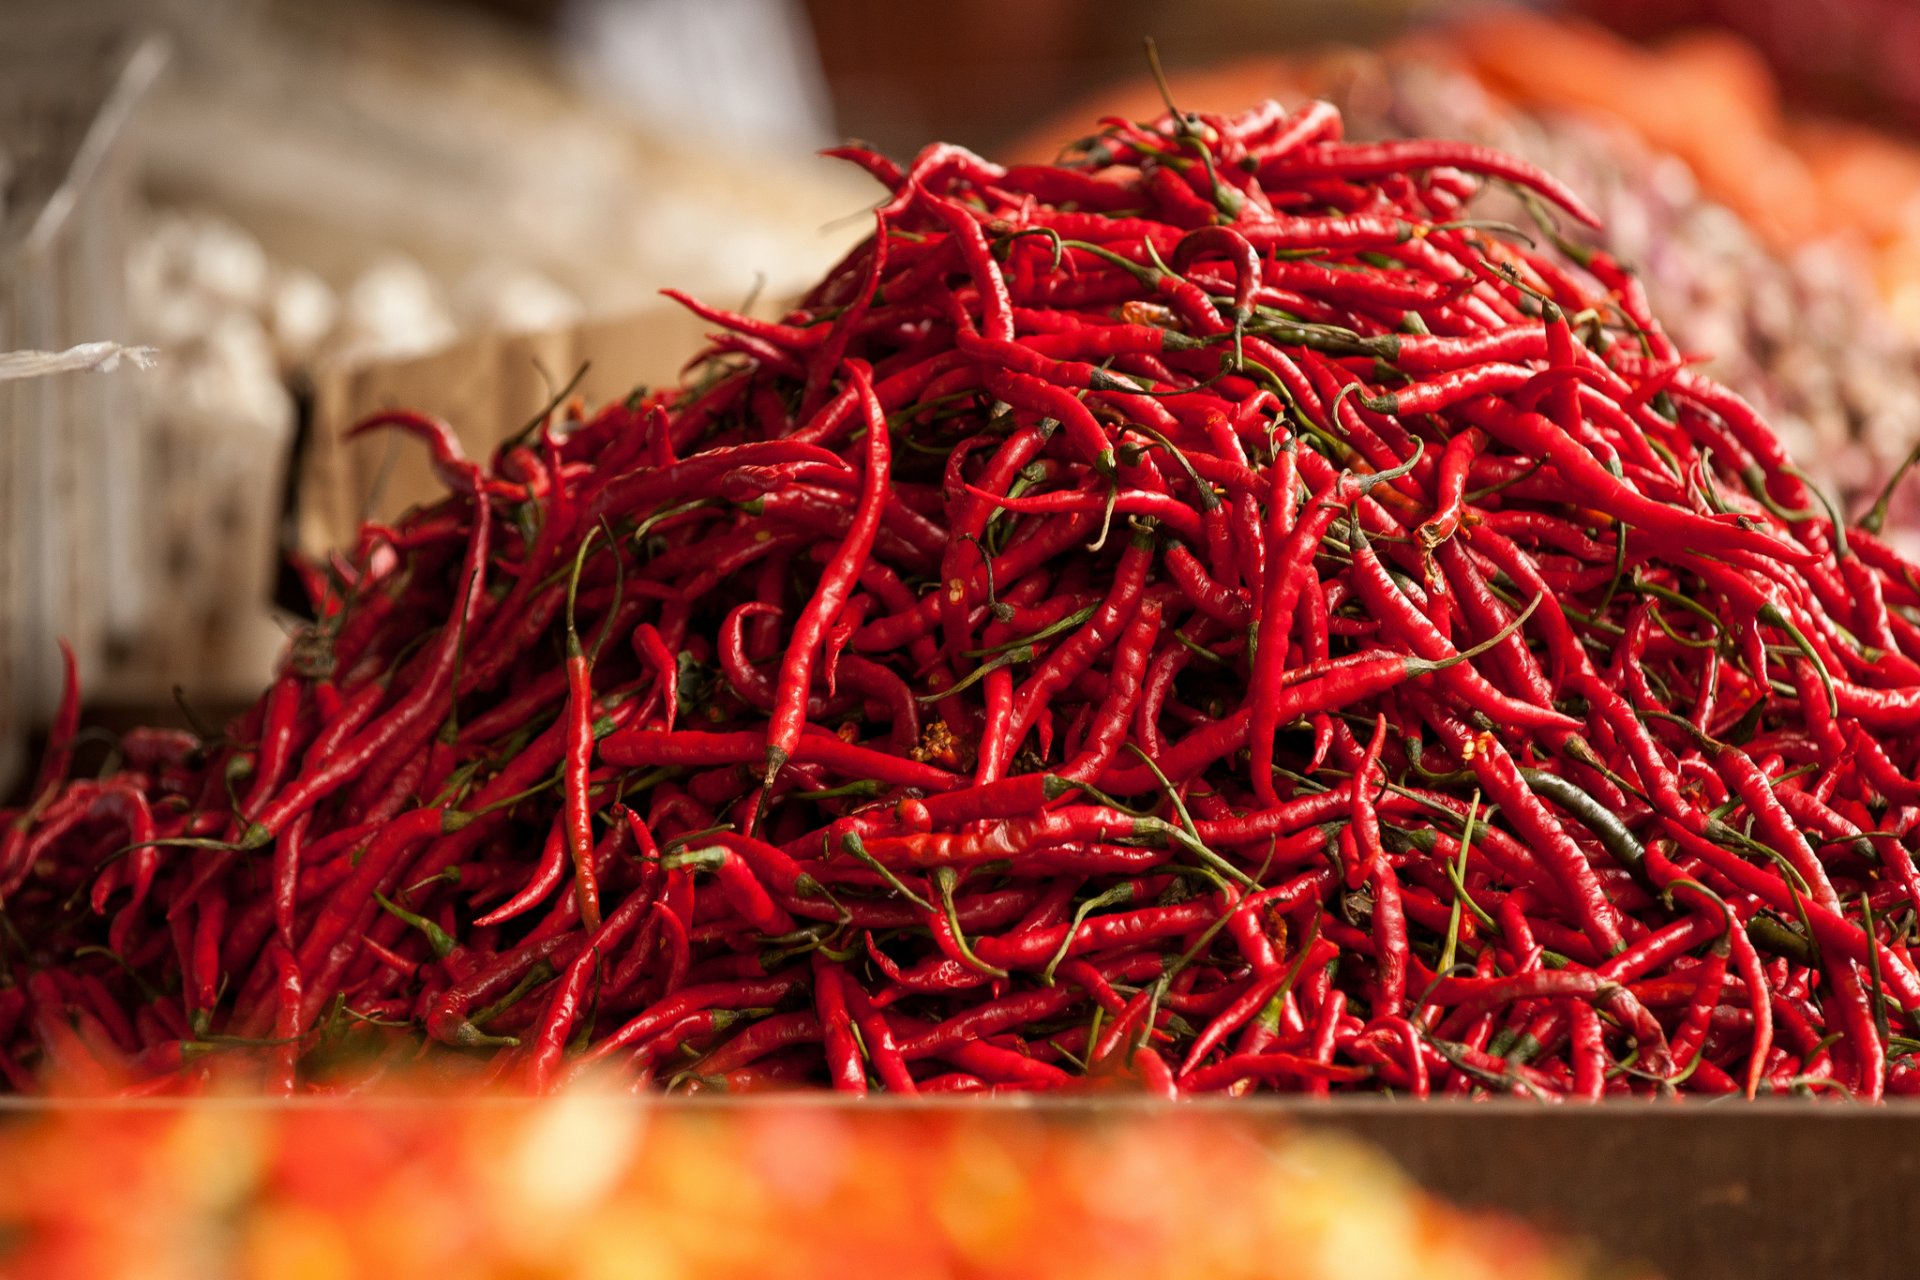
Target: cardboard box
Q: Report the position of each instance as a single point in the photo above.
(485, 388)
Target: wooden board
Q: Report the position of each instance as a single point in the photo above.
(1722, 1191)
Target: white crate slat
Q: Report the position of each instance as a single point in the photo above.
(69, 447)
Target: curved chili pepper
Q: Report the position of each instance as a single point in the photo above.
(1365, 160)
(1077, 652)
(836, 583)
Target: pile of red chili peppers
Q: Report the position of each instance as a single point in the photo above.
(1208, 614)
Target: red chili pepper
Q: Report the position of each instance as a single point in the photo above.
(1350, 160)
(1377, 588)
(1182, 519)
(691, 747)
(844, 1065)
(1108, 728)
(767, 1036)
(450, 462)
(1297, 544)
(1532, 433)
(726, 995)
(1449, 504)
(836, 583)
(1268, 1066)
(1073, 655)
(741, 887)
(1229, 605)
(1235, 246)
(1598, 917)
(354, 754)
(563, 1009)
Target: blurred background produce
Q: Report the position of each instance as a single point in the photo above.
(273, 194)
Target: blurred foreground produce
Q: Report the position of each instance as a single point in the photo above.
(1212, 614)
(586, 1187)
(1786, 250)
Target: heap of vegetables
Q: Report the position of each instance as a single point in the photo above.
(1208, 614)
